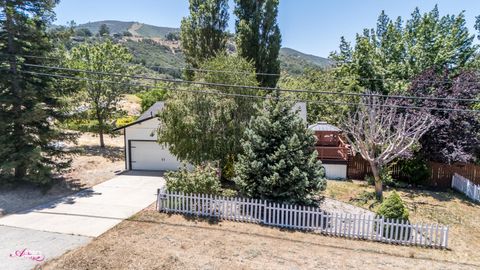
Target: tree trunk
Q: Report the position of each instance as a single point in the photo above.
(100, 130)
(378, 181)
(102, 142)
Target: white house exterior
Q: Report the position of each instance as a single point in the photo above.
(335, 171)
(142, 152)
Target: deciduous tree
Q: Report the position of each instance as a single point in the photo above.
(203, 33)
(258, 37)
(455, 135)
(380, 132)
(101, 91)
(385, 59)
(207, 127)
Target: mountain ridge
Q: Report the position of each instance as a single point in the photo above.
(164, 52)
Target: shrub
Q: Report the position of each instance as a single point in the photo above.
(151, 97)
(415, 171)
(203, 179)
(385, 175)
(394, 208)
(82, 125)
(123, 121)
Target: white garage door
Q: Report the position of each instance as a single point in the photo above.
(151, 156)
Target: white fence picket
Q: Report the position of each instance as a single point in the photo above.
(466, 187)
(306, 218)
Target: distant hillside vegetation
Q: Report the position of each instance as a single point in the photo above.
(137, 29)
(151, 49)
(295, 62)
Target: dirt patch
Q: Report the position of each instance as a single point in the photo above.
(131, 105)
(91, 166)
(152, 240)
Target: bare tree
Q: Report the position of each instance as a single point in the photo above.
(381, 132)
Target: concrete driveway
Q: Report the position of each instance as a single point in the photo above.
(55, 227)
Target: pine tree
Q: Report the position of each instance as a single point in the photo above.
(279, 161)
(30, 104)
(258, 37)
(203, 33)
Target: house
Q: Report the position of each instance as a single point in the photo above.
(142, 152)
(332, 150)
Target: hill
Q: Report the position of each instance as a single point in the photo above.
(295, 62)
(150, 48)
(136, 28)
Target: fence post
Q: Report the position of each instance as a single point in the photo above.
(265, 209)
(157, 206)
(161, 198)
(446, 238)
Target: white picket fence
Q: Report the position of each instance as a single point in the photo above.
(465, 186)
(304, 218)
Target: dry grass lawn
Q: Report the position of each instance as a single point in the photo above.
(152, 240)
(450, 208)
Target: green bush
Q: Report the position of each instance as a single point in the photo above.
(82, 125)
(387, 178)
(385, 175)
(393, 207)
(203, 179)
(123, 121)
(151, 97)
(414, 171)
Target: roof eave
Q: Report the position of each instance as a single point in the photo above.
(134, 123)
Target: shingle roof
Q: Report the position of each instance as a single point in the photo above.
(152, 111)
(323, 126)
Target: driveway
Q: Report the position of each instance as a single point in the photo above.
(66, 223)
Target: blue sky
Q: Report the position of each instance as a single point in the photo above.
(311, 26)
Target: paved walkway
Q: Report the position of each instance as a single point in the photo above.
(55, 227)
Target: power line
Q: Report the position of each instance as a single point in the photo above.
(217, 71)
(268, 74)
(256, 87)
(241, 95)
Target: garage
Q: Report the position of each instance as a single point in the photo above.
(151, 156)
(142, 152)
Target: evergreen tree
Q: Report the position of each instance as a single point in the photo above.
(477, 26)
(258, 37)
(203, 33)
(279, 161)
(104, 30)
(30, 104)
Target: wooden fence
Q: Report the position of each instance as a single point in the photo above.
(465, 186)
(440, 174)
(373, 228)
